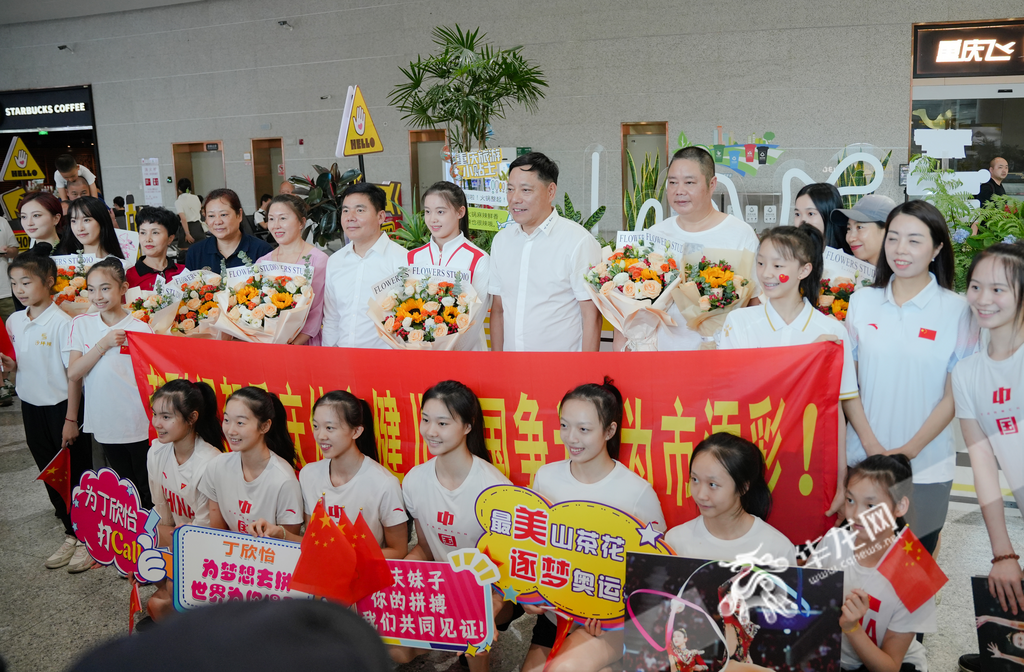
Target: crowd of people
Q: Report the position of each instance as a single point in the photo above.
(915, 355)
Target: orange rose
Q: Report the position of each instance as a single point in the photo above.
(629, 290)
(651, 289)
(462, 321)
(415, 336)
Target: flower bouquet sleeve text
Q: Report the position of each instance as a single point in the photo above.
(266, 302)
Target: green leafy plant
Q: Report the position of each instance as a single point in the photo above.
(570, 212)
(324, 201)
(413, 232)
(482, 238)
(466, 85)
(854, 176)
(1001, 220)
(648, 184)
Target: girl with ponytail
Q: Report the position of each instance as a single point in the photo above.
(349, 478)
(789, 266)
(256, 479)
(591, 429)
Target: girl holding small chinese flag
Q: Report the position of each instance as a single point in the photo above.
(908, 331)
(441, 493)
(990, 408)
(349, 478)
(889, 579)
(789, 266)
(591, 429)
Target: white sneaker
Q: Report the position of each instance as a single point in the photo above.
(62, 555)
(81, 561)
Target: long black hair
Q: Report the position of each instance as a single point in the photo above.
(266, 406)
(942, 265)
(803, 243)
(186, 398)
(893, 472)
(607, 399)
(463, 404)
(36, 260)
(355, 412)
(826, 199)
(89, 206)
(745, 464)
(455, 197)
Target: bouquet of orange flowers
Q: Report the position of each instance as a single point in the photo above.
(425, 308)
(632, 288)
(157, 308)
(197, 311)
(69, 289)
(266, 302)
(712, 290)
(835, 297)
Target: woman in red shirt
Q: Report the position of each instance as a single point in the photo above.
(156, 226)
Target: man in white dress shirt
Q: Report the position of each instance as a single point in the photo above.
(537, 269)
(352, 271)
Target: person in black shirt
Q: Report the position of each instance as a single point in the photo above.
(998, 168)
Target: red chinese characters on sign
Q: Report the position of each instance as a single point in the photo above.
(785, 403)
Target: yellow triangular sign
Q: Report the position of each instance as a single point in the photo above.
(19, 164)
(11, 199)
(362, 136)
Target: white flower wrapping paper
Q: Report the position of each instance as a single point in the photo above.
(238, 321)
(160, 320)
(204, 328)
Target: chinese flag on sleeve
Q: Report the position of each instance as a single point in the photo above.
(372, 570)
(57, 475)
(327, 561)
(911, 570)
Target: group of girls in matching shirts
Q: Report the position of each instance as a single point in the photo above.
(905, 362)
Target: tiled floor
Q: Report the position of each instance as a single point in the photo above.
(48, 618)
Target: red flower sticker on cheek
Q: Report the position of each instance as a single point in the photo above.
(783, 277)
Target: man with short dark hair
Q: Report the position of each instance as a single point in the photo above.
(537, 269)
(77, 187)
(352, 271)
(260, 217)
(998, 168)
(120, 219)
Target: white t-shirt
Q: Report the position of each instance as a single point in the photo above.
(991, 392)
(190, 206)
(692, 540)
(7, 239)
(762, 327)
(731, 233)
(885, 611)
(176, 496)
(620, 489)
(540, 279)
(61, 183)
(273, 495)
(903, 355)
(461, 254)
(113, 408)
(42, 357)
(448, 517)
(374, 491)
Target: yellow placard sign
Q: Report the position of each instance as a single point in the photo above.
(11, 199)
(570, 555)
(486, 219)
(362, 136)
(19, 164)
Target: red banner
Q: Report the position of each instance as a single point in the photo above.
(782, 399)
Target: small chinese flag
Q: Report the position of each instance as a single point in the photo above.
(927, 333)
(911, 570)
(327, 561)
(134, 606)
(372, 570)
(57, 475)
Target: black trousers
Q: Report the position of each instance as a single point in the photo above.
(43, 427)
(129, 461)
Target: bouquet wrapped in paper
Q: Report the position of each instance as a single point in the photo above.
(158, 307)
(712, 289)
(835, 297)
(197, 311)
(843, 275)
(266, 302)
(425, 308)
(632, 287)
(69, 289)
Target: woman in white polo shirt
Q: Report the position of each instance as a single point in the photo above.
(50, 406)
(789, 266)
(445, 212)
(988, 388)
(908, 331)
(99, 358)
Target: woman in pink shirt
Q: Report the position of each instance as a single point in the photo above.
(286, 218)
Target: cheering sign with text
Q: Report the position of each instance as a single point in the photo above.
(570, 555)
(108, 518)
(784, 400)
(212, 566)
(436, 605)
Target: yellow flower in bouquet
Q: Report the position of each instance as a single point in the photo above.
(423, 310)
(281, 300)
(411, 308)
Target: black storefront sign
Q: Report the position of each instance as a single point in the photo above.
(974, 49)
(46, 108)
